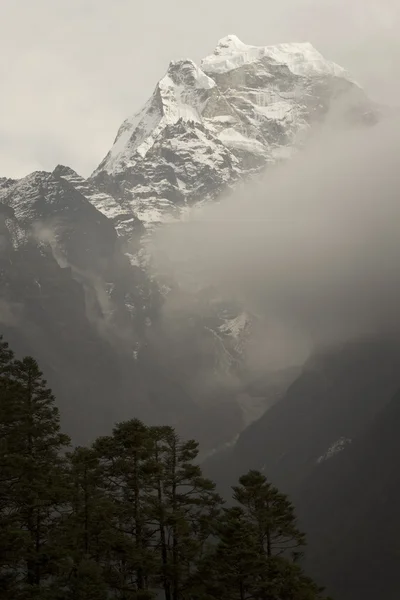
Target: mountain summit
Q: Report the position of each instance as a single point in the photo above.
(206, 127)
(78, 294)
(300, 58)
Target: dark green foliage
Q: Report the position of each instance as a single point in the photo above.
(231, 567)
(33, 479)
(125, 465)
(132, 517)
(9, 533)
(272, 515)
(85, 532)
(6, 357)
(185, 507)
(284, 580)
(237, 567)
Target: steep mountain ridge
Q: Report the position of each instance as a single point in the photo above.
(72, 298)
(336, 396)
(350, 511)
(207, 127)
(203, 130)
(332, 443)
(121, 214)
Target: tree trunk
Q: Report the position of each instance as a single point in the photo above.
(241, 590)
(163, 541)
(138, 522)
(86, 501)
(268, 534)
(175, 543)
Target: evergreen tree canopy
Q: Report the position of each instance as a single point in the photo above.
(33, 478)
(125, 462)
(271, 513)
(132, 517)
(86, 531)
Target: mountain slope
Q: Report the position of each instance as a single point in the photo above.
(332, 443)
(120, 214)
(70, 297)
(337, 395)
(203, 130)
(207, 127)
(349, 506)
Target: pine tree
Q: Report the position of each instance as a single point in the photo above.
(185, 507)
(284, 580)
(271, 513)
(86, 530)
(132, 516)
(232, 567)
(9, 530)
(6, 356)
(255, 552)
(158, 510)
(34, 491)
(124, 458)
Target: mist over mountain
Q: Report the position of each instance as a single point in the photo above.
(177, 347)
(229, 268)
(312, 245)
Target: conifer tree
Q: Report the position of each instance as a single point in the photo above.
(9, 537)
(6, 356)
(185, 508)
(283, 579)
(271, 513)
(131, 517)
(34, 491)
(255, 551)
(233, 566)
(124, 458)
(85, 534)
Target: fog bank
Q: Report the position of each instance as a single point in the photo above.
(312, 247)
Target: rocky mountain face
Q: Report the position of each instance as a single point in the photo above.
(348, 506)
(350, 509)
(207, 127)
(121, 214)
(70, 297)
(337, 394)
(76, 291)
(331, 442)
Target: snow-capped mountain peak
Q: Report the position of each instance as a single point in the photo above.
(120, 213)
(187, 74)
(181, 90)
(300, 58)
(205, 128)
(181, 94)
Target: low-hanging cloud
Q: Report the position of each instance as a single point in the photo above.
(313, 247)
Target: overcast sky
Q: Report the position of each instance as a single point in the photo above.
(72, 70)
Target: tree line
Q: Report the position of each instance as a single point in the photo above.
(131, 517)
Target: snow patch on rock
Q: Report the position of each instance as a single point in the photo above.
(207, 127)
(300, 58)
(336, 447)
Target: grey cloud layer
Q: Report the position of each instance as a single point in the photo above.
(72, 70)
(314, 247)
